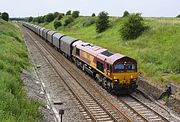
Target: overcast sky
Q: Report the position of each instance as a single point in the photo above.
(148, 8)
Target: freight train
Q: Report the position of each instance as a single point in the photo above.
(117, 73)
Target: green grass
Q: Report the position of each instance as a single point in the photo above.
(157, 49)
(14, 104)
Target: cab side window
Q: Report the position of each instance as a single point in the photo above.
(109, 67)
(100, 66)
(77, 52)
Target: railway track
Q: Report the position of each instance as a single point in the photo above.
(140, 109)
(130, 109)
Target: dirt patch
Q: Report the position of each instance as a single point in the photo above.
(172, 102)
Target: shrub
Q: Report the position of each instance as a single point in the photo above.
(132, 27)
(178, 16)
(93, 15)
(68, 21)
(34, 19)
(42, 19)
(49, 17)
(75, 14)
(60, 16)
(102, 22)
(56, 14)
(5, 16)
(68, 12)
(39, 19)
(57, 24)
(126, 13)
(30, 19)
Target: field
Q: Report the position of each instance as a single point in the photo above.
(157, 50)
(14, 105)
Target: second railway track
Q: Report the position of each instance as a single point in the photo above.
(97, 108)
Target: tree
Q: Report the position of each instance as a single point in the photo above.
(68, 21)
(126, 13)
(39, 19)
(56, 14)
(5, 16)
(132, 27)
(57, 24)
(49, 17)
(75, 14)
(93, 15)
(34, 19)
(178, 16)
(30, 19)
(42, 19)
(60, 16)
(102, 22)
(68, 12)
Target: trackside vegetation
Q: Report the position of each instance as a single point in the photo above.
(157, 49)
(14, 104)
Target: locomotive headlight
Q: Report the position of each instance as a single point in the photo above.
(134, 79)
(116, 80)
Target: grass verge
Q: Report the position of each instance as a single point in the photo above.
(14, 104)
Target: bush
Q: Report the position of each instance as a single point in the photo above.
(178, 16)
(39, 19)
(60, 16)
(57, 24)
(102, 22)
(75, 14)
(42, 19)
(5, 16)
(126, 13)
(56, 14)
(132, 27)
(68, 21)
(30, 19)
(34, 19)
(49, 17)
(68, 12)
(93, 15)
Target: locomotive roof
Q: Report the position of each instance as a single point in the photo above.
(99, 52)
(90, 48)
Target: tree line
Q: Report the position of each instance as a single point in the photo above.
(133, 23)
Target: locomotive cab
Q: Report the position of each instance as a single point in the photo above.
(124, 73)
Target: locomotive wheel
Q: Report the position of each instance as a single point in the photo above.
(99, 79)
(104, 84)
(83, 68)
(108, 86)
